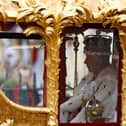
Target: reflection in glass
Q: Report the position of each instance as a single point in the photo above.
(21, 70)
(96, 95)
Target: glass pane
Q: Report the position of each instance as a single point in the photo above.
(92, 59)
(22, 69)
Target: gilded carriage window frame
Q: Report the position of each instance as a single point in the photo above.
(12, 40)
(67, 35)
(48, 19)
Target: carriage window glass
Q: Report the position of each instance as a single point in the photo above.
(22, 68)
(92, 65)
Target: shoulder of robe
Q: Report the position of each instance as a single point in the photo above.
(108, 73)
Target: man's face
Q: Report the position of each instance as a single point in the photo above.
(25, 75)
(93, 62)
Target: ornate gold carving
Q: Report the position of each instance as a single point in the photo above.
(22, 116)
(49, 23)
(8, 10)
(44, 24)
(49, 26)
(123, 94)
(8, 122)
(73, 14)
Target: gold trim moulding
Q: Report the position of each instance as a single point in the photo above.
(21, 115)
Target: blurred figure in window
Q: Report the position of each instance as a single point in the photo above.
(23, 91)
(10, 62)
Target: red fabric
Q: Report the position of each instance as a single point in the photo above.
(16, 94)
(31, 96)
(45, 79)
(34, 55)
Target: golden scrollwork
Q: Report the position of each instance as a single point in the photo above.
(49, 27)
(49, 23)
(21, 116)
(8, 122)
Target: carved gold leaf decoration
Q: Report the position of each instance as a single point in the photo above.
(26, 3)
(44, 24)
(52, 65)
(8, 122)
(110, 13)
(115, 17)
(22, 115)
(73, 15)
(33, 30)
(49, 25)
(3, 14)
(42, 19)
(8, 10)
(123, 94)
